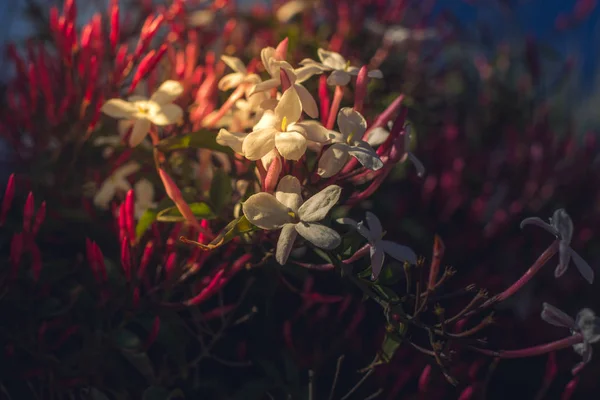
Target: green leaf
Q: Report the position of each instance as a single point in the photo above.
(200, 210)
(126, 340)
(233, 229)
(323, 255)
(391, 274)
(202, 139)
(387, 293)
(391, 343)
(220, 190)
(145, 222)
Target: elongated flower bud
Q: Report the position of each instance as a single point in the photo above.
(16, 251)
(281, 50)
(28, 212)
(9, 194)
(175, 194)
(126, 258)
(438, 253)
(130, 215)
(146, 257)
(39, 218)
(170, 265)
(114, 25)
(273, 175)
(360, 93)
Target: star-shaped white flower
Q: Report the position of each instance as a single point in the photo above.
(157, 110)
(116, 182)
(586, 324)
(561, 226)
(280, 129)
(374, 235)
(274, 68)
(348, 143)
(239, 76)
(379, 135)
(287, 211)
(144, 197)
(331, 61)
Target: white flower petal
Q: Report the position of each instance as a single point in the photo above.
(291, 145)
(351, 122)
(233, 140)
(167, 114)
(561, 221)
(317, 207)
(231, 81)
(338, 78)
(539, 222)
(307, 71)
(285, 243)
(556, 317)
(234, 63)
(118, 108)
(167, 92)
(347, 221)
(290, 9)
(375, 73)
(259, 143)
(289, 192)
(266, 55)
(374, 225)
(139, 132)
(104, 195)
(366, 155)
(366, 233)
(314, 131)
(144, 191)
(417, 163)
(333, 160)
(289, 106)
(399, 252)
(377, 136)
(331, 59)
(264, 86)
(309, 105)
(319, 235)
(126, 170)
(267, 120)
(377, 257)
(268, 158)
(263, 210)
(124, 125)
(584, 268)
(564, 256)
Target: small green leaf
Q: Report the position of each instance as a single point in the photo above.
(202, 139)
(145, 222)
(391, 343)
(220, 190)
(233, 229)
(323, 255)
(387, 293)
(200, 210)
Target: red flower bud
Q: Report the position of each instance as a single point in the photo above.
(114, 25)
(360, 92)
(9, 194)
(39, 218)
(130, 215)
(126, 258)
(28, 212)
(99, 259)
(170, 265)
(146, 257)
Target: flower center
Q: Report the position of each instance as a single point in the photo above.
(347, 66)
(143, 109)
(349, 138)
(284, 124)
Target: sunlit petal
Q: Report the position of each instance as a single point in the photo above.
(139, 132)
(167, 92)
(258, 143)
(351, 122)
(118, 108)
(289, 106)
(309, 105)
(231, 139)
(289, 192)
(291, 145)
(285, 243)
(234, 63)
(316, 208)
(231, 81)
(333, 160)
(338, 78)
(377, 257)
(263, 210)
(167, 114)
(331, 59)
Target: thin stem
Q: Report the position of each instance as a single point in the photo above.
(535, 350)
(235, 96)
(355, 388)
(335, 106)
(311, 384)
(338, 367)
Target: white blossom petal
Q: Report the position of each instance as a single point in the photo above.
(564, 256)
(167, 114)
(291, 145)
(333, 160)
(399, 252)
(267, 120)
(167, 92)
(583, 267)
(231, 139)
(351, 122)
(259, 143)
(139, 132)
(126, 170)
(118, 108)
(285, 243)
(338, 78)
(289, 107)
(104, 195)
(366, 155)
(319, 235)
(234, 63)
(331, 59)
(309, 105)
(268, 158)
(374, 225)
(417, 163)
(231, 81)
(266, 55)
(561, 221)
(307, 71)
(377, 136)
(314, 131)
(539, 222)
(556, 317)
(377, 257)
(347, 221)
(317, 207)
(263, 210)
(289, 192)
(375, 73)
(264, 86)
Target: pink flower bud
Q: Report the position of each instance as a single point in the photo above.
(424, 379)
(170, 265)
(130, 215)
(438, 253)
(142, 70)
(467, 394)
(126, 258)
(39, 218)
(28, 212)
(9, 194)
(122, 222)
(281, 50)
(175, 194)
(114, 25)
(361, 89)
(272, 176)
(146, 257)
(570, 389)
(70, 11)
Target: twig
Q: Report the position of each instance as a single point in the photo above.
(355, 388)
(311, 384)
(336, 376)
(374, 395)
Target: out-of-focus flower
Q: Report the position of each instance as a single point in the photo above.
(398, 34)
(352, 126)
(290, 9)
(117, 181)
(274, 68)
(561, 226)
(287, 211)
(144, 197)
(157, 110)
(280, 129)
(586, 324)
(374, 235)
(331, 61)
(239, 76)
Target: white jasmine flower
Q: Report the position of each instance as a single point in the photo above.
(239, 76)
(561, 226)
(289, 10)
(287, 211)
(374, 234)
(586, 324)
(157, 110)
(273, 68)
(352, 126)
(331, 61)
(144, 197)
(116, 182)
(280, 129)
